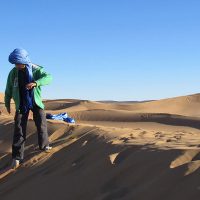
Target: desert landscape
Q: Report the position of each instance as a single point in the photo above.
(115, 150)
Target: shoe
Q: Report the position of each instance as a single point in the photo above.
(15, 163)
(47, 148)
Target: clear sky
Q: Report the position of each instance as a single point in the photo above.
(106, 49)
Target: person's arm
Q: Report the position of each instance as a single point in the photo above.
(44, 78)
(8, 92)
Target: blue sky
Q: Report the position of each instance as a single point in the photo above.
(107, 49)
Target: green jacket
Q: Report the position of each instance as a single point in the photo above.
(12, 90)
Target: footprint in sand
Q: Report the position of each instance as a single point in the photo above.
(169, 140)
(131, 136)
(124, 139)
(141, 134)
(159, 135)
(178, 137)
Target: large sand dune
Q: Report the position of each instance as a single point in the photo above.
(116, 150)
(185, 105)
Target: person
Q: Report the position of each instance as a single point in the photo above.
(24, 86)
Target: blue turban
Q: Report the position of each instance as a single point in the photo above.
(20, 56)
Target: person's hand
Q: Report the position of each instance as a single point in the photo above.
(31, 85)
(8, 110)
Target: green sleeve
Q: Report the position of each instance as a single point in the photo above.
(8, 91)
(43, 78)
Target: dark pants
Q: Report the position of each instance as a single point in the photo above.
(19, 137)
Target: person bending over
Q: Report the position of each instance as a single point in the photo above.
(24, 87)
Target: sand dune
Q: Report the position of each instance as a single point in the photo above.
(185, 105)
(1, 97)
(146, 151)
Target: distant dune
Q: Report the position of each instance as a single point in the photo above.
(1, 97)
(116, 150)
(185, 105)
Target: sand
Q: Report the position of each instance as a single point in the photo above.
(116, 150)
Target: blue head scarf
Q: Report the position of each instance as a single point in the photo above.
(20, 56)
